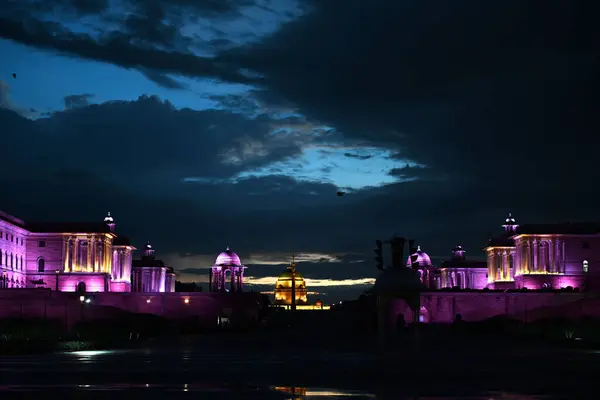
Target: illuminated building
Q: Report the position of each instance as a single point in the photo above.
(540, 256)
(422, 264)
(151, 275)
(544, 256)
(283, 288)
(459, 272)
(227, 275)
(64, 256)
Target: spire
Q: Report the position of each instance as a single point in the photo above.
(227, 249)
(419, 248)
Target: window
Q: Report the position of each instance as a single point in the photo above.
(42, 243)
(0, 234)
(0, 257)
(585, 266)
(41, 265)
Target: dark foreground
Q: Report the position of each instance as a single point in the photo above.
(237, 366)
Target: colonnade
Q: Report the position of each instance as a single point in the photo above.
(539, 256)
(87, 254)
(530, 255)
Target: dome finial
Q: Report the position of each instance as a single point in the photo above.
(418, 248)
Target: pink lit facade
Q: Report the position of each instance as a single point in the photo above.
(545, 257)
(68, 257)
(227, 275)
(151, 275)
(458, 272)
(462, 273)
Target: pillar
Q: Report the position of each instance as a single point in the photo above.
(491, 269)
(551, 255)
(67, 245)
(535, 256)
(564, 257)
(504, 275)
(557, 257)
(76, 266)
(107, 256)
(95, 253)
(89, 266)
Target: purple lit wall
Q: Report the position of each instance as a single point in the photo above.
(13, 255)
(151, 280)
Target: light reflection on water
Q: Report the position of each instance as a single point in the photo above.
(273, 392)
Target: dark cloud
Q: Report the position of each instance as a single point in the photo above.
(477, 91)
(77, 100)
(357, 156)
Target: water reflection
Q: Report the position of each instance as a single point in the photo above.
(250, 391)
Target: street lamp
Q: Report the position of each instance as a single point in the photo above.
(57, 272)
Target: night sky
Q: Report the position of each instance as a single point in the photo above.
(202, 124)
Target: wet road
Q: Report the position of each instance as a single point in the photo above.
(245, 372)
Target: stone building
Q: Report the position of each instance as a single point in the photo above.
(545, 256)
(460, 272)
(283, 288)
(64, 256)
(151, 275)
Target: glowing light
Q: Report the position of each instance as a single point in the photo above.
(88, 300)
(228, 257)
(148, 301)
(186, 300)
(82, 298)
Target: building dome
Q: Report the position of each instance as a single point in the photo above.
(228, 257)
(422, 258)
(283, 288)
(287, 276)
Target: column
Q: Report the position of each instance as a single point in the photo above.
(491, 269)
(94, 253)
(505, 274)
(516, 260)
(563, 257)
(232, 284)
(89, 266)
(101, 266)
(75, 265)
(557, 258)
(544, 255)
(528, 257)
(512, 255)
(535, 255)
(551, 255)
(107, 255)
(66, 254)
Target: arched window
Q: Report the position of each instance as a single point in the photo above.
(41, 265)
(585, 266)
(81, 287)
(12, 261)
(0, 257)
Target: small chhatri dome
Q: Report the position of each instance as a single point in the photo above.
(510, 225)
(458, 253)
(228, 257)
(422, 258)
(108, 218)
(148, 250)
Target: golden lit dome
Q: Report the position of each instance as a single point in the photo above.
(283, 288)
